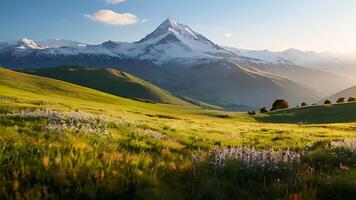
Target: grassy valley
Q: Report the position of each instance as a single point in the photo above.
(59, 140)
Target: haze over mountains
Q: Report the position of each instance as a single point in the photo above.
(187, 64)
(349, 92)
(340, 63)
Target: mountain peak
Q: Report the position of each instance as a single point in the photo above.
(168, 24)
(171, 27)
(171, 36)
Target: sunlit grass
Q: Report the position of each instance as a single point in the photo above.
(147, 151)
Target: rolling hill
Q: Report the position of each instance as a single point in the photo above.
(21, 90)
(69, 136)
(110, 81)
(16, 85)
(349, 92)
(334, 113)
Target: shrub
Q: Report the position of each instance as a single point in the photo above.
(280, 104)
(252, 113)
(327, 102)
(341, 100)
(263, 110)
(351, 99)
(303, 104)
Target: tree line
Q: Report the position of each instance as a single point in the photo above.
(283, 104)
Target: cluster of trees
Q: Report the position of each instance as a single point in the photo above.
(277, 105)
(341, 100)
(283, 104)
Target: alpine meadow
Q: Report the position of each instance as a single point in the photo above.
(171, 110)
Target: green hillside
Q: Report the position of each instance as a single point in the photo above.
(111, 81)
(63, 141)
(20, 90)
(334, 113)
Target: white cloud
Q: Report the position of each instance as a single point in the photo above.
(144, 20)
(113, 18)
(114, 1)
(227, 35)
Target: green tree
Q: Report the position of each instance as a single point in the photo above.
(263, 110)
(280, 104)
(327, 102)
(341, 100)
(351, 99)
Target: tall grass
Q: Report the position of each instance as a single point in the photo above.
(139, 159)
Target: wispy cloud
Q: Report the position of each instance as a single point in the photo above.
(144, 20)
(113, 18)
(114, 2)
(227, 35)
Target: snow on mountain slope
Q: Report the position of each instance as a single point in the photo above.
(23, 44)
(170, 42)
(56, 43)
(26, 47)
(27, 43)
(177, 32)
(261, 56)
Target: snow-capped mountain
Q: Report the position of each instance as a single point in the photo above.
(28, 44)
(23, 44)
(171, 42)
(179, 41)
(178, 59)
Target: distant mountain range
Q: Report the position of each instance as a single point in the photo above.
(339, 63)
(184, 62)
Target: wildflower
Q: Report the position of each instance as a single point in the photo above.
(172, 166)
(114, 173)
(45, 162)
(250, 157)
(194, 157)
(57, 160)
(343, 167)
(15, 185)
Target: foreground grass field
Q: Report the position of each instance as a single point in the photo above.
(62, 141)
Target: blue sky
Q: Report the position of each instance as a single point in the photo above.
(321, 25)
